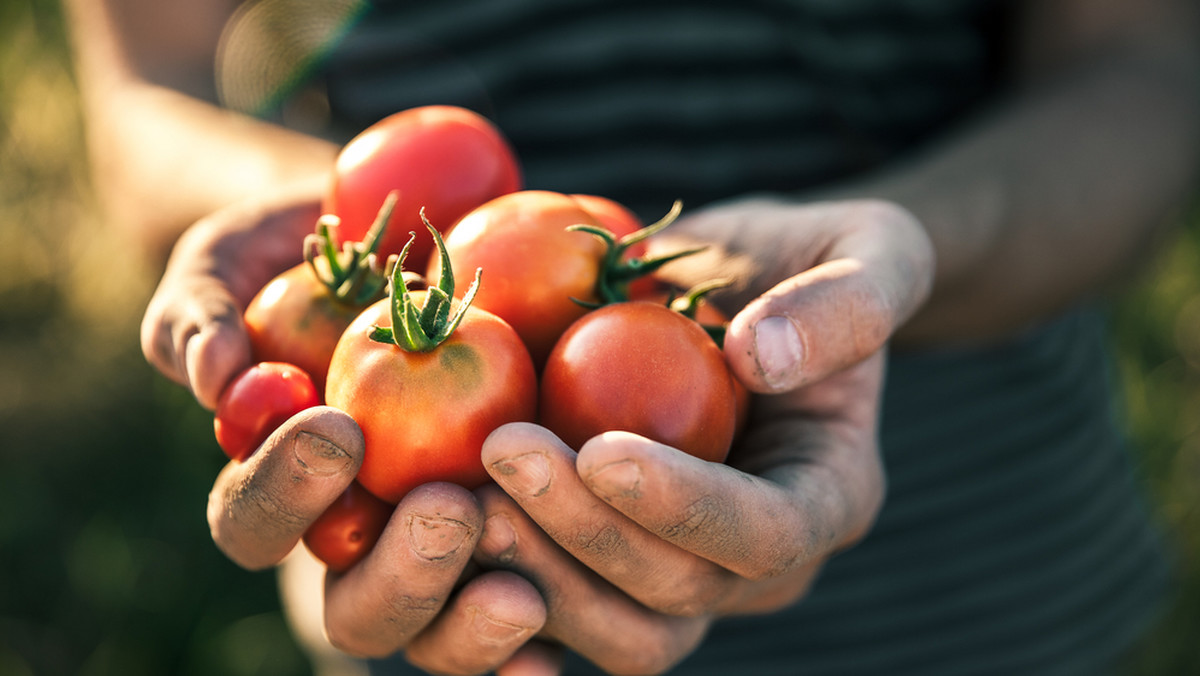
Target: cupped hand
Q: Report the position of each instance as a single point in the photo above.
(192, 330)
(413, 592)
(815, 287)
(637, 547)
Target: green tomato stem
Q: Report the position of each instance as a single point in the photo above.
(352, 275)
(423, 329)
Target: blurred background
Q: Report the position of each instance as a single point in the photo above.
(106, 566)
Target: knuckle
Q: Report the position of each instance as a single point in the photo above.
(691, 597)
(706, 518)
(399, 618)
(605, 544)
(646, 656)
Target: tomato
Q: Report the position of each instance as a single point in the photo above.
(299, 315)
(295, 319)
(348, 529)
(256, 402)
(428, 385)
(640, 367)
(534, 265)
(444, 159)
(537, 269)
(693, 305)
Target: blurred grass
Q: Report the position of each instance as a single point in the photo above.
(106, 563)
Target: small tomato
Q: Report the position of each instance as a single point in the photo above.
(258, 401)
(348, 529)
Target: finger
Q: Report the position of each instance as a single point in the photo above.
(584, 612)
(717, 512)
(259, 509)
(192, 332)
(539, 472)
(381, 604)
(870, 280)
(535, 658)
(487, 622)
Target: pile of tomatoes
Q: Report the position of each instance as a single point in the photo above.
(560, 325)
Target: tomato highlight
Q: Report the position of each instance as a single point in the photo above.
(258, 401)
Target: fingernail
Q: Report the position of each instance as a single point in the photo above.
(499, 540)
(493, 631)
(435, 538)
(778, 350)
(622, 478)
(318, 455)
(527, 474)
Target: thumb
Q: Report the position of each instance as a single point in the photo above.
(834, 314)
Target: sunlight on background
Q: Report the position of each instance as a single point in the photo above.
(104, 550)
(106, 561)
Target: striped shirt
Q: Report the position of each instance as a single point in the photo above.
(1014, 538)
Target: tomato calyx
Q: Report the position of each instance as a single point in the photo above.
(612, 282)
(423, 329)
(352, 275)
(689, 303)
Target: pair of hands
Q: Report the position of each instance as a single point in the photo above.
(625, 550)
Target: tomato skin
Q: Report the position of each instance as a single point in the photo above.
(424, 415)
(532, 266)
(296, 319)
(707, 314)
(348, 529)
(445, 159)
(256, 402)
(640, 367)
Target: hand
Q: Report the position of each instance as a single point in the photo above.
(403, 594)
(636, 547)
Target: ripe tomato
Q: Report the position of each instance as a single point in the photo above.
(444, 159)
(299, 315)
(256, 402)
(348, 529)
(644, 368)
(295, 319)
(449, 374)
(693, 305)
(536, 267)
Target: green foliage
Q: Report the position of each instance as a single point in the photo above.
(104, 548)
(1157, 335)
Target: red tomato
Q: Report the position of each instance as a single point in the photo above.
(535, 267)
(709, 317)
(644, 368)
(424, 415)
(348, 529)
(444, 159)
(300, 314)
(295, 319)
(259, 400)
